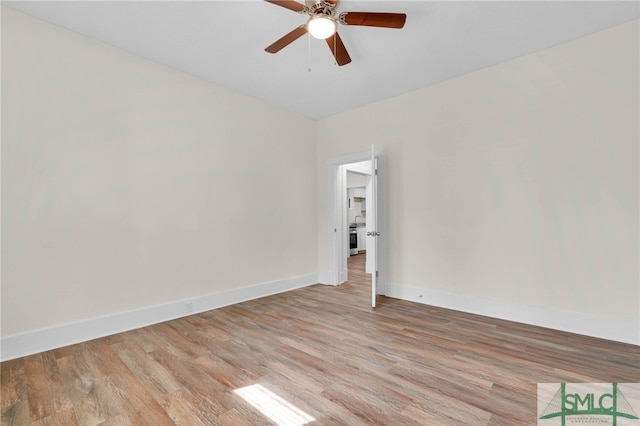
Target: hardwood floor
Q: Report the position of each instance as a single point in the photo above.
(325, 351)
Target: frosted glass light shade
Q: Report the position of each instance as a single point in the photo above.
(321, 26)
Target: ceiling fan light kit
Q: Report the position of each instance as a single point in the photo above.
(323, 24)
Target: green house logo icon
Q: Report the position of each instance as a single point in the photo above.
(588, 403)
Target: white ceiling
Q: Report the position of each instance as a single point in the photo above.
(224, 41)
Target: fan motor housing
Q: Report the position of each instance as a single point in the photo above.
(316, 7)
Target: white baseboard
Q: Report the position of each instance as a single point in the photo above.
(589, 325)
(18, 345)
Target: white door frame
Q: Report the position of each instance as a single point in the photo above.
(337, 222)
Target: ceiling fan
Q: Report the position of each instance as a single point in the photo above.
(322, 24)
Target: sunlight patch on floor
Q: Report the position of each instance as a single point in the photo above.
(279, 410)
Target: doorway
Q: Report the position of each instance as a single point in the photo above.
(352, 195)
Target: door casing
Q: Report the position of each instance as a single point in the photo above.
(337, 222)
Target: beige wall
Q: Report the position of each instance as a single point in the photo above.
(516, 184)
(127, 184)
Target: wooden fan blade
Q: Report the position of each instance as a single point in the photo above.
(374, 19)
(287, 39)
(289, 4)
(339, 51)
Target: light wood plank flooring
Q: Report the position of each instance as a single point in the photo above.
(321, 348)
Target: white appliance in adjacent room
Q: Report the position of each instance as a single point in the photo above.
(353, 240)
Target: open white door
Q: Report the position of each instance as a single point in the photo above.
(372, 227)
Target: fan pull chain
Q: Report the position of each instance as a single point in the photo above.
(309, 40)
(335, 57)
